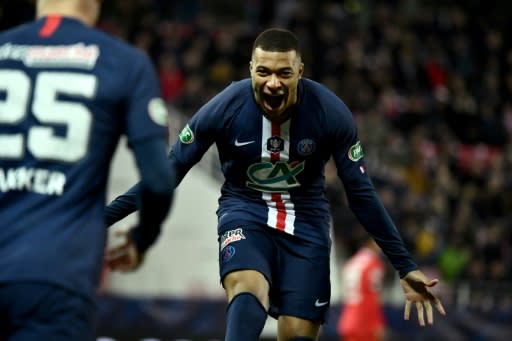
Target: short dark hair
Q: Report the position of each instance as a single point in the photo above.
(277, 40)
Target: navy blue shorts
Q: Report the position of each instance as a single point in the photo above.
(298, 271)
(38, 311)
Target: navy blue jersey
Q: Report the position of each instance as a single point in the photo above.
(67, 94)
(274, 173)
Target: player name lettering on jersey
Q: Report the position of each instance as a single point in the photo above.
(37, 180)
(75, 55)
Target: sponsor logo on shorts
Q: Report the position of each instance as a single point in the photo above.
(230, 237)
(227, 254)
(306, 147)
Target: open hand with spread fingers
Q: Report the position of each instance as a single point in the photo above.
(417, 291)
(124, 257)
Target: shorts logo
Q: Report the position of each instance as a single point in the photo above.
(230, 237)
(306, 147)
(227, 254)
(355, 152)
(186, 135)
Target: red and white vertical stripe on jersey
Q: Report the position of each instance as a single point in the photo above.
(281, 210)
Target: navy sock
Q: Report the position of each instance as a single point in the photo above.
(245, 318)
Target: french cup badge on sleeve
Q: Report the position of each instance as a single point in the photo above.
(355, 152)
(187, 135)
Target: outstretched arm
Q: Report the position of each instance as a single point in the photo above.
(367, 207)
(128, 202)
(155, 194)
(193, 141)
(369, 210)
(129, 255)
(416, 288)
(122, 206)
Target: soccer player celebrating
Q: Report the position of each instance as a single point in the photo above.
(274, 133)
(67, 94)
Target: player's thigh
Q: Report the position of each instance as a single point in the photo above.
(252, 281)
(303, 288)
(246, 253)
(289, 327)
(39, 311)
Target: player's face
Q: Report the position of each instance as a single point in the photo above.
(275, 76)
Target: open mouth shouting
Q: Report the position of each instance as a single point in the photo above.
(273, 103)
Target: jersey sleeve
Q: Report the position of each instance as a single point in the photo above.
(156, 191)
(146, 127)
(146, 112)
(361, 194)
(201, 130)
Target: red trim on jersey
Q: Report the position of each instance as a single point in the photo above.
(51, 23)
(281, 211)
(276, 197)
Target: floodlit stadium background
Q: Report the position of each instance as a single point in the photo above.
(430, 85)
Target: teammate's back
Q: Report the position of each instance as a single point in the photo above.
(67, 94)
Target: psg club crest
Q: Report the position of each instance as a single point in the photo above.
(306, 147)
(275, 144)
(227, 253)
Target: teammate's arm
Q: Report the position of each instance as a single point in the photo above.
(122, 206)
(152, 196)
(155, 194)
(127, 203)
(130, 254)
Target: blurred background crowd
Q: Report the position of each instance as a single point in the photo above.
(429, 83)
